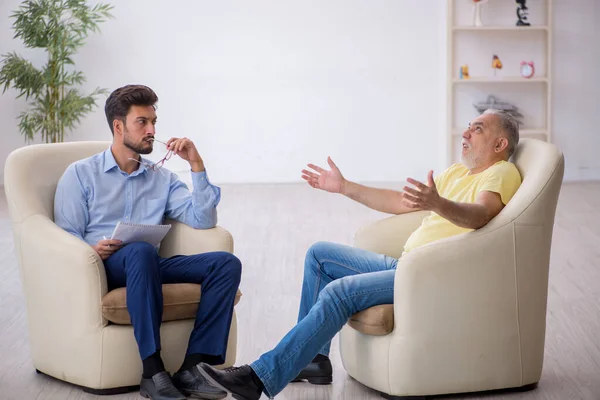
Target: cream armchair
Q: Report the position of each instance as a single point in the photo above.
(65, 287)
(469, 311)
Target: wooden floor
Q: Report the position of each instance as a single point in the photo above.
(273, 225)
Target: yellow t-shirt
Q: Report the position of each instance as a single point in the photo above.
(458, 185)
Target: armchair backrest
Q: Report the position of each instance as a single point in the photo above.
(32, 173)
(533, 207)
(541, 165)
(531, 213)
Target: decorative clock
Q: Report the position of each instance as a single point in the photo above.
(527, 69)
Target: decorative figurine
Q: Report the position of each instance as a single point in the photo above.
(522, 12)
(493, 102)
(527, 69)
(477, 12)
(496, 63)
(464, 72)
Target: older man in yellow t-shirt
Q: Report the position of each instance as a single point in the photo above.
(341, 280)
(467, 200)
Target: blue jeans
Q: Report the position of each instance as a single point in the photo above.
(339, 281)
(138, 267)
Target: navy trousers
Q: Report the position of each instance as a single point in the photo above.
(138, 267)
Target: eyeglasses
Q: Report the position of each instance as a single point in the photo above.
(159, 164)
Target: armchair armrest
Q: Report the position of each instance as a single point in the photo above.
(185, 240)
(388, 236)
(63, 278)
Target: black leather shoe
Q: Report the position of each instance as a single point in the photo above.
(193, 384)
(160, 387)
(317, 373)
(237, 380)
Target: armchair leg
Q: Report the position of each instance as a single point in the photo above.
(102, 392)
(524, 388)
(110, 392)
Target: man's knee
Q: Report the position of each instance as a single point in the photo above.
(332, 291)
(144, 253)
(318, 251)
(230, 266)
(334, 296)
(142, 248)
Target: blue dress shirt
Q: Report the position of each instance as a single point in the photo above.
(94, 194)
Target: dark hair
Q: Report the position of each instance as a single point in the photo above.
(118, 103)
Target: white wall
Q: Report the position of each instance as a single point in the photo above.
(264, 87)
(576, 96)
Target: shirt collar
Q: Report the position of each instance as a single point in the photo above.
(110, 163)
(109, 160)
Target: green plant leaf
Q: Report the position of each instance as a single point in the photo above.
(30, 123)
(21, 74)
(60, 27)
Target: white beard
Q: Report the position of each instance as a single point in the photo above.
(468, 161)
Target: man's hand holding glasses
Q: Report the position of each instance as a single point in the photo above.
(184, 148)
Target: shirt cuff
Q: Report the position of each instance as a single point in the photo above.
(200, 180)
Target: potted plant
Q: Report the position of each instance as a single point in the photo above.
(59, 27)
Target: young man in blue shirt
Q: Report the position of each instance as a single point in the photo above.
(119, 185)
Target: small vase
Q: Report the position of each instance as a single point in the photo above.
(477, 15)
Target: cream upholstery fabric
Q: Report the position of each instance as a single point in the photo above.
(470, 310)
(64, 279)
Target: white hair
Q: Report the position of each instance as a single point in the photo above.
(509, 126)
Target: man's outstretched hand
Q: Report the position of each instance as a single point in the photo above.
(422, 196)
(330, 181)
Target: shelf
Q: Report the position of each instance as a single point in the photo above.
(500, 28)
(522, 132)
(502, 79)
(467, 44)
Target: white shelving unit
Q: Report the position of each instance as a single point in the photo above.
(500, 28)
(475, 46)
